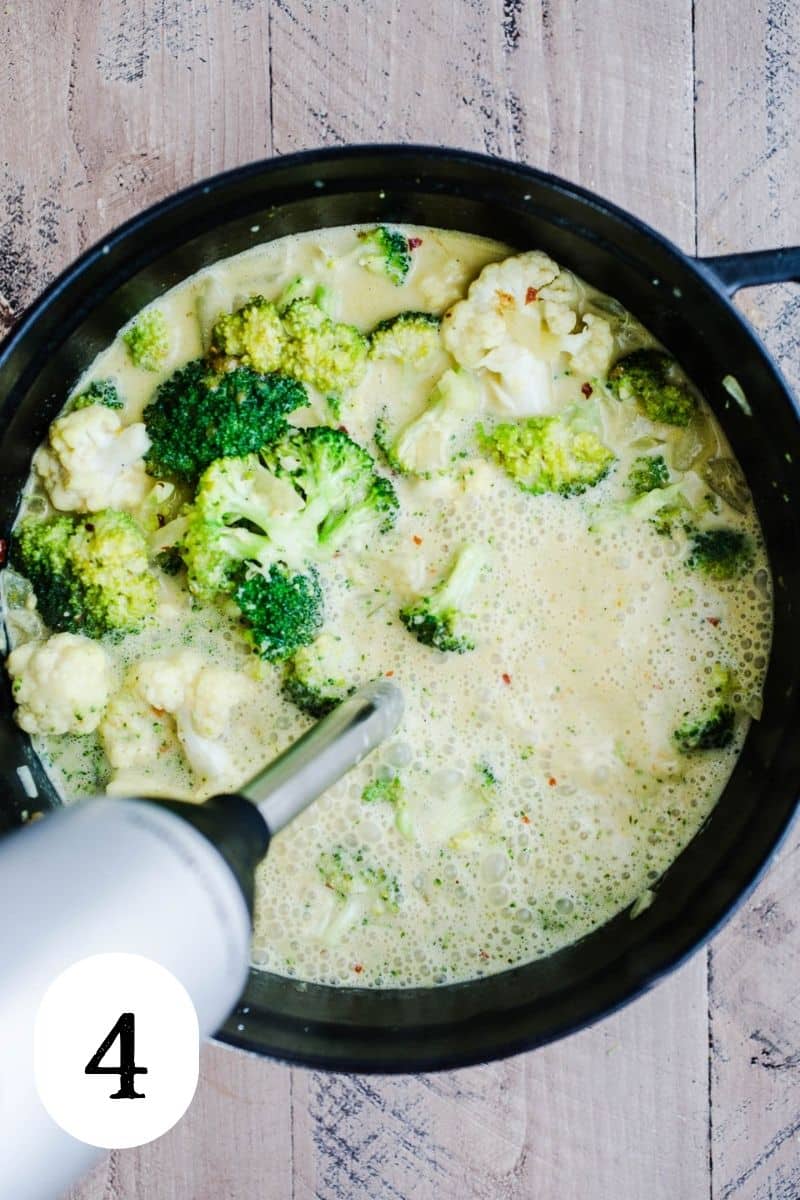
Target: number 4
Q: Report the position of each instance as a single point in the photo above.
(125, 1030)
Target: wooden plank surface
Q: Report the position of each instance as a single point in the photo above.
(109, 106)
(748, 193)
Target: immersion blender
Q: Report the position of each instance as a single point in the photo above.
(167, 879)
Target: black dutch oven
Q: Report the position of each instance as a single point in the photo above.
(686, 304)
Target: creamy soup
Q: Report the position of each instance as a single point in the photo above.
(574, 703)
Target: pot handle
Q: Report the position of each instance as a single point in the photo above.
(736, 271)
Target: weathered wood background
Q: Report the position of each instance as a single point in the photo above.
(686, 112)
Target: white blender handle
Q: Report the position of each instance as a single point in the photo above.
(116, 875)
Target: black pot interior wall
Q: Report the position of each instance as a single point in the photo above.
(411, 1029)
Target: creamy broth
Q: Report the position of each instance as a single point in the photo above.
(543, 791)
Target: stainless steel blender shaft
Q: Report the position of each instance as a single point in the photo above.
(323, 754)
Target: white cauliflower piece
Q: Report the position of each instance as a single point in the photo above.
(133, 735)
(433, 439)
(199, 698)
(497, 330)
(91, 461)
(61, 685)
(518, 320)
(162, 682)
(591, 349)
(439, 288)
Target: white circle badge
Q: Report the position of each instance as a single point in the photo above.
(116, 1050)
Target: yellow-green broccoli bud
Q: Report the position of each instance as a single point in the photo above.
(549, 454)
(410, 337)
(327, 354)
(148, 340)
(252, 335)
(649, 377)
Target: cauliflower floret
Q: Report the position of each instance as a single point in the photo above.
(591, 349)
(61, 685)
(91, 461)
(212, 696)
(520, 316)
(434, 438)
(132, 733)
(199, 698)
(442, 287)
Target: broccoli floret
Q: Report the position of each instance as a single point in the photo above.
(327, 354)
(712, 729)
(280, 610)
(89, 573)
(647, 376)
(240, 515)
(308, 494)
(432, 440)
(347, 873)
(550, 454)
(253, 335)
(648, 472)
(314, 679)
(198, 417)
(299, 288)
(663, 507)
(386, 252)
(386, 791)
(720, 553)
(295, 335)
(391, 791)
(148, 340)
(436, 619)
(345, 498)
(100, 391)
(410, 337)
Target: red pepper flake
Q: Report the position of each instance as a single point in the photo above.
(482, 954)
(413, 243)
(358, 968)
(506, 678)
(587, 389)
(344, 429)
(531, 295)
(504, 299)
(525, 819)
(389, 674)
(713, 621)
(3, 549)
(417, 540)
(552, 781)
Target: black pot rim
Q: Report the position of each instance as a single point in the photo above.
(233, 175)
